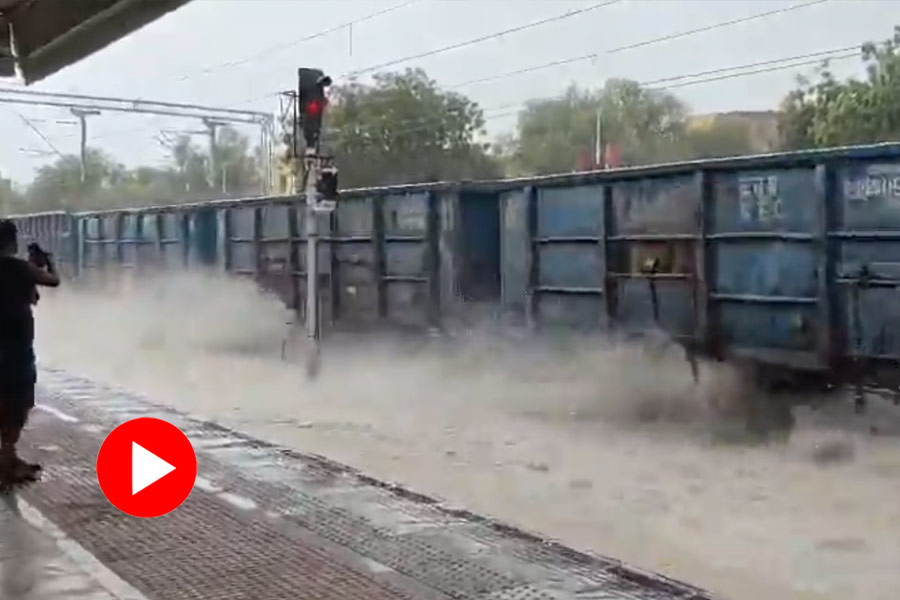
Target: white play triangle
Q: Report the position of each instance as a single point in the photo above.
(146, 468)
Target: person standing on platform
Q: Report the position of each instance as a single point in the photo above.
(19, 279)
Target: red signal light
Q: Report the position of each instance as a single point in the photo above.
(314, 108)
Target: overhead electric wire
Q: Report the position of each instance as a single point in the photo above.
(295, 42)
(593, 55)
(757, 71)
(820, 55)
(40, 134)
(696, 78)
(134, 103)
(641, 44)
(484, 38)
(701, 77)
(168, 113)
(833, 54)
(738, 21)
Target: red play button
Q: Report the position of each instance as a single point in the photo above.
(146, 467)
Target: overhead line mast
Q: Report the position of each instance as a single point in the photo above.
(83, 105)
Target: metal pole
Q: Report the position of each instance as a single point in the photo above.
(268, 133)
(82, 116)
(212, 127)
(83, 146)
(263, 162)
(312, 264)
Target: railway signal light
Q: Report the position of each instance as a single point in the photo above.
(312, 102)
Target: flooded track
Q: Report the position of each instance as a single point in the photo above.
(602, 448)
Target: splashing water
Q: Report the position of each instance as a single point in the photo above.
(606, 447)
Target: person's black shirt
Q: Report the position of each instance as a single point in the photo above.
(17, 290)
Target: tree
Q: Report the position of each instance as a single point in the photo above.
(834, 113)
(58, 186)
(107, 184)
(645, 125)
(10, 199)
(236, 165)
(718, 137)
(191, 165)
(404, 129)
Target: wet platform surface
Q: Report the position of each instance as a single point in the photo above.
(34, 564)
(265, 523)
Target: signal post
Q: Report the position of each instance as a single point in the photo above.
(319, 184)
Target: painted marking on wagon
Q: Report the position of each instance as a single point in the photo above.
(872, 186)
(759, 199)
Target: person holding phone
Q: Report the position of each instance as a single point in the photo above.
(19, 280)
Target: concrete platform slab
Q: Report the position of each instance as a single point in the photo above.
(265, 522)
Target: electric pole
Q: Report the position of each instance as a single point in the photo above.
(92, 105)
(212, 127)
(82, 114)
(599, 158)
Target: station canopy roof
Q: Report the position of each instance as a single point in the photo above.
(40, 37)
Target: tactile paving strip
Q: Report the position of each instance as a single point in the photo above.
(410, 538)
(202, 550)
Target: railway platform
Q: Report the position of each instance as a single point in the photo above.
(265, 522)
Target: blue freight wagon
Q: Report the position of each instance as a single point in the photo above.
(789, 262)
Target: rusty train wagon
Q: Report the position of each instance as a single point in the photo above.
(789, 262)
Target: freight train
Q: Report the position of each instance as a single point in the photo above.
(788, 263)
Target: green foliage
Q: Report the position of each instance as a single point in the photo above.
(829, 112)
(108, 184)
(236, 163)
(403, 128)
(719, 139)
(10, 199)
(646, 125)
(58, 186)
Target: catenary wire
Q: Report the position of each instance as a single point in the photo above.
(648, 85)
(295, 42)
(483, 38)
(697, 77)
(595, 55)
(672, 81)
(665, 38)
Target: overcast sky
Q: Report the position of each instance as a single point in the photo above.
(185, 56)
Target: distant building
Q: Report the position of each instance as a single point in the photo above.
(762, 125)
